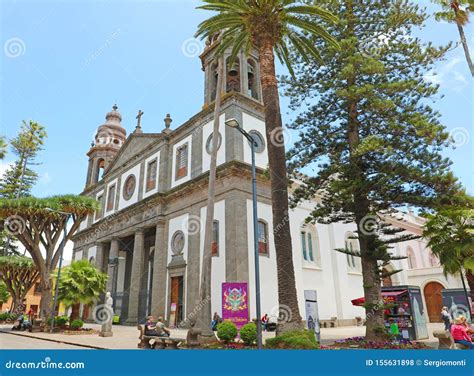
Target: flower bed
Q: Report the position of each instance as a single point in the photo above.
(362, 343)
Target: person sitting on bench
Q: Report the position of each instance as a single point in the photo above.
(161, 327)
(155, 330)
(460, 333)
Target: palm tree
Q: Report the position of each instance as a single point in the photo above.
(457, 11)
(270, 27)
(80, 282)
(451, 239)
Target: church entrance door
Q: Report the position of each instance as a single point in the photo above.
(434, 301)
(177, 301)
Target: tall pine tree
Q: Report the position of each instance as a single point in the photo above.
(19, 178)
(368, 133)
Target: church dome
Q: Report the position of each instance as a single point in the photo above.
(111, 133)
(113, 117)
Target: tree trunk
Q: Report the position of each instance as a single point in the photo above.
(75, 310)
(465, 47)
(46, 302)
(205, 313)
(289, 314)
(470, 282)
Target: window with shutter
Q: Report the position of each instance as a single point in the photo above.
(152, 170)
(182, 161)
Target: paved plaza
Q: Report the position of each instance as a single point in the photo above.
(126, 337)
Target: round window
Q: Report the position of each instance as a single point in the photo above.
(209, 143)
(177, 242)
(129, 187)
(259, 141)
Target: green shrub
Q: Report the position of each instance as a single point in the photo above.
(304, 339)
(59, 320)
(8, 316)
(77, 324)
(248, 333)
(226, 331)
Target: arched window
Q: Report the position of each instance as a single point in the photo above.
(262, 232)
(252, 89)
(310, 243)
(352, 245)
(99, 172)
(434, 261)
(411, 258)
(233, 75)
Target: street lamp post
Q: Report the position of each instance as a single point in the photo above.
(61, 251)
(233, 123)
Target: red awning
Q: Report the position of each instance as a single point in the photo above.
(386, 294)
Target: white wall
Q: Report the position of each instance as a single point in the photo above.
(122, 202)
(98, 194)
(148, 160)
(218, 262)
(268, 269)
(106, 195)
(206, 132)
(175, 183)
(180, 223)
(251, 123)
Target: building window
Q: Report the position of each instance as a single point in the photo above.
(310, 246)
(129, 187)
(259, 141)
(303, 245)
(98, 213)
(352, 245)
(411, 259)
(111, 198)
(434, 262)
(252, 89)
(182, 161)
(152, 170)
(262, 232)
(209, 143)
(215, 238)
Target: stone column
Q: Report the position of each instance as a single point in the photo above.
(136, 276)
(113, 255)
(158, 297)
(99, 256)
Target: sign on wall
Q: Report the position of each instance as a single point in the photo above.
(235, 305)
(312, 315)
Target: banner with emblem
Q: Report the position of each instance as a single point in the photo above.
(235, 305)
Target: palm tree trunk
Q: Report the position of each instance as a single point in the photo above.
(46, 295)
(465, 47)
(205, 313)
(470, 282)
(290, 318)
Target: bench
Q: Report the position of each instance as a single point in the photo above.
(158, 342)
(446, 341)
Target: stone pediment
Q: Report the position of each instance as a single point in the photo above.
(135, 145)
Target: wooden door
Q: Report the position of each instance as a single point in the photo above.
(434, 301)
(176, 304)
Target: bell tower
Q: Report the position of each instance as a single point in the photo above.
(107, 142)
(242, 75)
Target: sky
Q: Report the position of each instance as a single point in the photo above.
(65, 63)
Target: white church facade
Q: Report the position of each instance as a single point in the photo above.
(148, 235)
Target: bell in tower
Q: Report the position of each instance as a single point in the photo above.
(242, 74)
(108, 140)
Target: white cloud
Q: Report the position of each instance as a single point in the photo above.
(45, 179)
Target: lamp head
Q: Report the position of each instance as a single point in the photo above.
(233, 123)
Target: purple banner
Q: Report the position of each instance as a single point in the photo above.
(235, 306)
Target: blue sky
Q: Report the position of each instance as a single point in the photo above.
(65, 63)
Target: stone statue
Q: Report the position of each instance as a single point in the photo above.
(105, 314)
